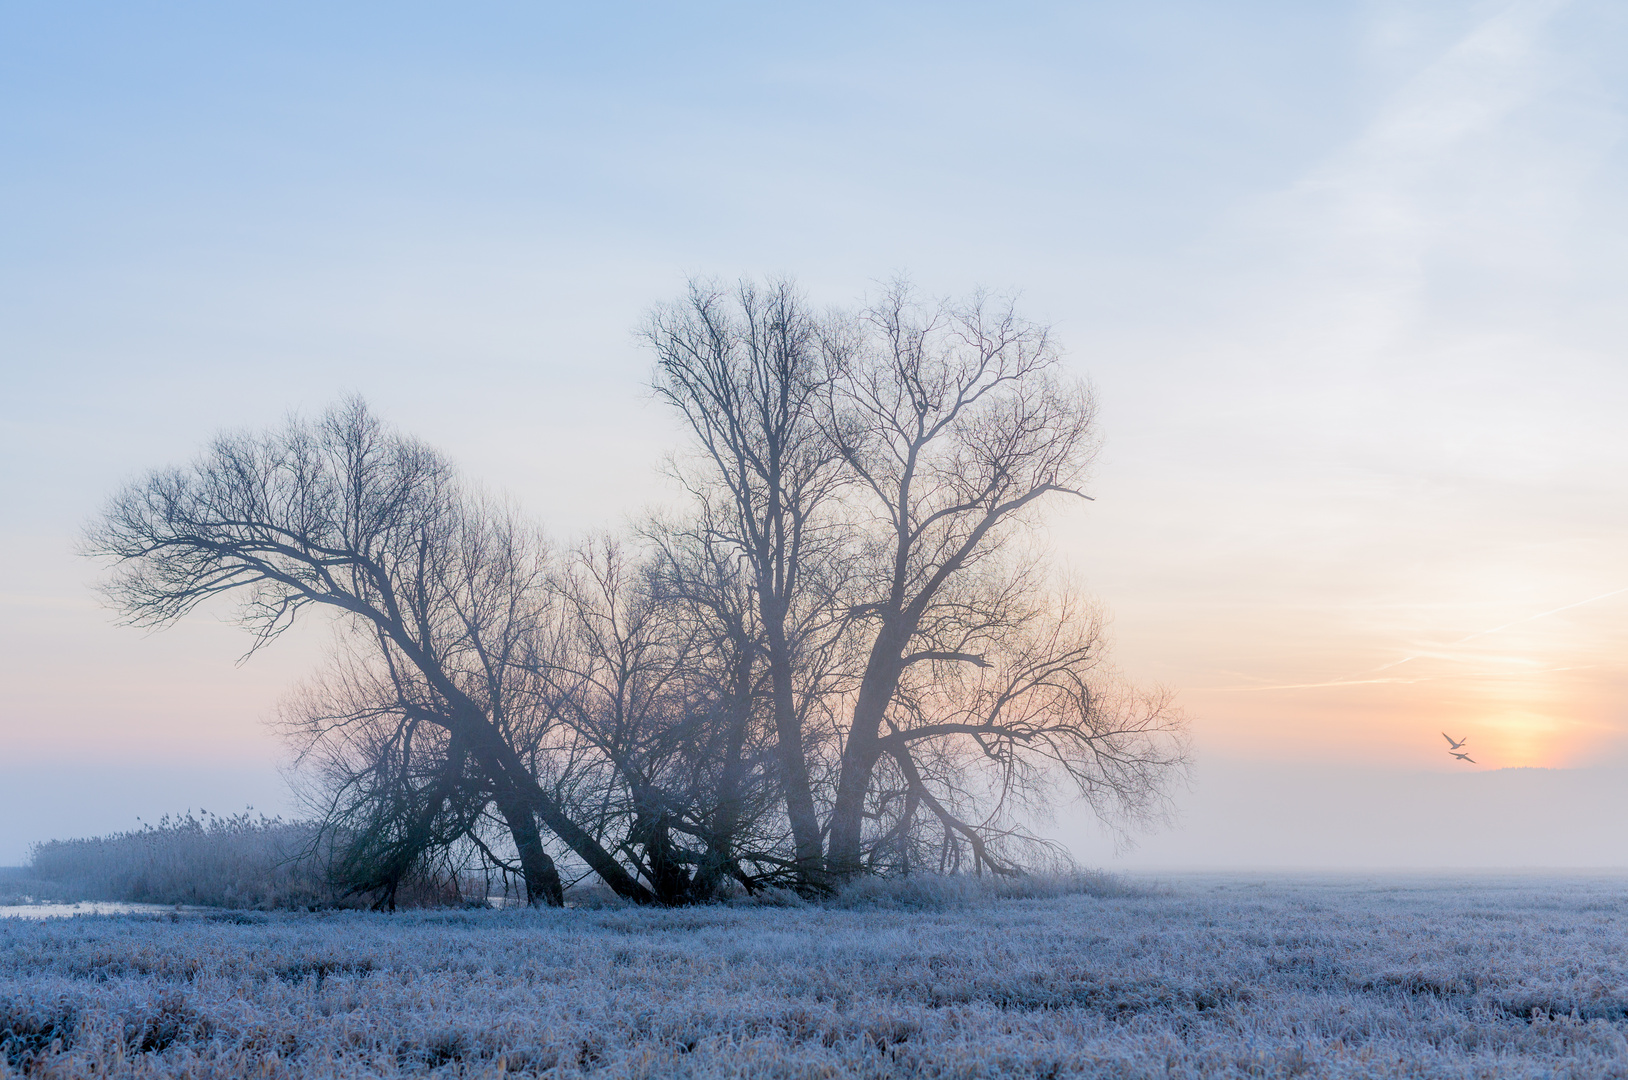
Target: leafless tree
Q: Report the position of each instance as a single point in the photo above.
(618, 678)
(978, 747)
(843, 658)
(398, 800)
(725, 749)
(744, 368)
(955, 424)
(345, 515)
(876, 474)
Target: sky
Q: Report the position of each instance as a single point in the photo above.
(1345, 277)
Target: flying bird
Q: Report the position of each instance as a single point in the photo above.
(1452, 743)
(1464, 757)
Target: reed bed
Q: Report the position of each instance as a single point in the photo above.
(236, 861)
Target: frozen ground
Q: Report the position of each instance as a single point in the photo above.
(1206, 976)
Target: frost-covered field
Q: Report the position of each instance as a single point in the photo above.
(1499, 977)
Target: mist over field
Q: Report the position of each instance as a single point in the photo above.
(1255, 815)
(1236, 815)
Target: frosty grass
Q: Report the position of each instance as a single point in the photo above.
(1199, 976)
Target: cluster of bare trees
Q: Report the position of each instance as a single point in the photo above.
(844, 657)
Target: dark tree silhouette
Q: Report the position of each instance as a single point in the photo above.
(348, 516)
(745, 369)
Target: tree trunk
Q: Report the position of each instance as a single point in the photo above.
(720, 854)
(805, 822)
(541, 876)
(593, 853)
(844, 858)
(510, 776)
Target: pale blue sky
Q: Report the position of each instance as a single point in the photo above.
(1346, 275)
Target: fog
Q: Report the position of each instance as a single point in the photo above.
(1235, 815)
(1314, 816)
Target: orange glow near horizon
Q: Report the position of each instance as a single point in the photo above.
(1323, 644)
(1523, 694)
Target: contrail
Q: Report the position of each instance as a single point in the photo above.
(1364, 677)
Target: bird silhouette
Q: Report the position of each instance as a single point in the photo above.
(1464, 757)
(1452, 743)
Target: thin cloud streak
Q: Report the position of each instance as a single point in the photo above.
(1382, 682)
(1360, 679)
(1506, 626)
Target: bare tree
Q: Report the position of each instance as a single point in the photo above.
(728, 751)
(397, 798)
(345, 515)
(617, 677)
(744, 369)
(980, 746)
(875, 474)
(842, 660)
(955, 424)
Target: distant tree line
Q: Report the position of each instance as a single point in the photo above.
(845, 657)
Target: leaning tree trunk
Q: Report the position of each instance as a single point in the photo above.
(537, 867)
(793, 763)
(860, 753)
